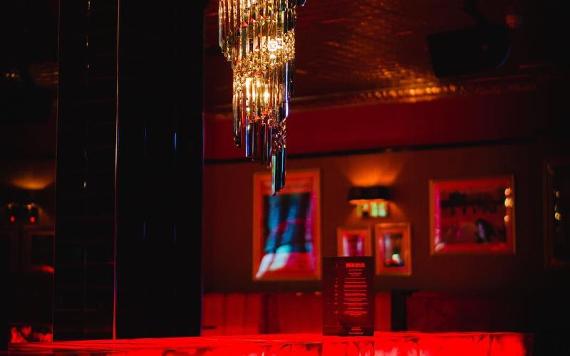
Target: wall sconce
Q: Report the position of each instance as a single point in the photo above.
(22, 213)
(370, 201)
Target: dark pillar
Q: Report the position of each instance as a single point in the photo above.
(160, 169)
(85, 193)
(129, 175)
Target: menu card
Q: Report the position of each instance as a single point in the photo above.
(348, 304)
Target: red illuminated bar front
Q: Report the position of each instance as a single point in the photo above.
(405, 343)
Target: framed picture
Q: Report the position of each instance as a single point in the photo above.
(9, 239)
(556, 213)
(286, 228)
(353, 242)
(472, 215)
(393, 249)
(38, 249)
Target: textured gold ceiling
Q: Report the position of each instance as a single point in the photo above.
(376, 49)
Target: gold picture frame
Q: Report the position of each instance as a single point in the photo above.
(393, 248)
(354, 241)
(556, 213)
(287, 228)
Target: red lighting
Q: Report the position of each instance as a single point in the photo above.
(12, 219)
(468, 344)
(32, 219)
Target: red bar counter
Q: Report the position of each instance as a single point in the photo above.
(381, 344)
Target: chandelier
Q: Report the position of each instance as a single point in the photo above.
(258, 38)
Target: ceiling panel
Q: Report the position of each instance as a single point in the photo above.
(377, 49)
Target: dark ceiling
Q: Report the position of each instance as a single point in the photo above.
(347, 51)
(352, 51)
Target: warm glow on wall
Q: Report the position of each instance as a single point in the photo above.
(31, 183)
(369, 172)
(29, 175)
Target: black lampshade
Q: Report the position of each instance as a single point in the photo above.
(369, 193)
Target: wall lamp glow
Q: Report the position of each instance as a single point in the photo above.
(370, 201)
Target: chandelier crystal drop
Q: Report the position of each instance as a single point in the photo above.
(258, 38)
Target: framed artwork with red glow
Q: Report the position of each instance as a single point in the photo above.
(287, 228)
(393, 249)
(353, 242)
(556, 213)
(472, 215)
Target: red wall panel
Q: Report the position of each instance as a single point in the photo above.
(444, 121)
(272, 313)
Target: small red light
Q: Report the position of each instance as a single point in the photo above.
(12, 219)
(32, 219)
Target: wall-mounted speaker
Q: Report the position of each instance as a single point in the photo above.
(469, 51)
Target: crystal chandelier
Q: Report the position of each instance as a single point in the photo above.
(258, 38)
